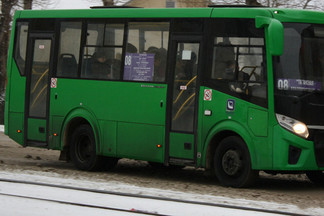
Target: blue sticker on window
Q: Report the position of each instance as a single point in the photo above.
(230, 105)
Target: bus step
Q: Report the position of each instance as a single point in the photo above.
(37, 144)
(181, 161)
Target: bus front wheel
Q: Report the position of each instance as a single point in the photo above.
(83, 149)
(232, 163)
(317, 177)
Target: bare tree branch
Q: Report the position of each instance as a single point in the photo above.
(28, 4)
(301, 4)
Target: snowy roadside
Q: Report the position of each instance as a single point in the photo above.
(60, 200)
(41, 165)
(54, 178)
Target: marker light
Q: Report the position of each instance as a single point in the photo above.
(159, 145)
(18, 131)
(293, 125)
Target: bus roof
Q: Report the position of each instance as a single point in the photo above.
(284, 15)
(118, 13)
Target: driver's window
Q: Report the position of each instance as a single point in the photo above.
(233, 55)
(239, 62)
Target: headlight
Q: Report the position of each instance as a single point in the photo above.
(293, 125)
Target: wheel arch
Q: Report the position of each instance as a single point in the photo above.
(74, 119)
(220, 132)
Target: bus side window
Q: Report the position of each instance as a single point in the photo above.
(69, 49)
(67, 65)
(159, 63)
(146, 46)
(103, 50)
(224, 61)
(21, 46)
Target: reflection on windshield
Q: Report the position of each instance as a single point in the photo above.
(301, 67)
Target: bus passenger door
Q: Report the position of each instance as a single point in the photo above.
(37, 89)
(182, 100)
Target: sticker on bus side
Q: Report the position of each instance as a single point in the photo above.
(183, 87)
(53, 82)
(208, 95)
(230, 105)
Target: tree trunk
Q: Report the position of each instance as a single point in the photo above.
(28, 4)
(252, 3)
(108, 3)
(306, 4)
(6, 18)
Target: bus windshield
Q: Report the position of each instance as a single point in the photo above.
(299, 73)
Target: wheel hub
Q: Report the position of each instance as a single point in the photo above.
(231, 162)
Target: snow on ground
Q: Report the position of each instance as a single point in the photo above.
(90, 199)
(111, 184)
(36, 176)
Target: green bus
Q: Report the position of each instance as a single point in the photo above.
(234, 90)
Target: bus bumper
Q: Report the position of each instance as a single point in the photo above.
(293, 153)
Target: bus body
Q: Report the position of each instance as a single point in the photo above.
(232, 90)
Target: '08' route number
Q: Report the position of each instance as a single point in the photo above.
(283, 84)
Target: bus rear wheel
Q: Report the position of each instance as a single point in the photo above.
(83, 149)
(232, 163)
(317, 177)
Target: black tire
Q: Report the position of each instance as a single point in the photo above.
(317, 177)
(83, 149)
(232, 163)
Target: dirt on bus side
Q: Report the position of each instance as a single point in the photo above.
(290, 189)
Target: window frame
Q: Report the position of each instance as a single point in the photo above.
(57, 47)
(222, 85)
(154, 20)
(84, 44)
(17, 46)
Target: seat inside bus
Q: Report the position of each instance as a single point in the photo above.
(67, 65)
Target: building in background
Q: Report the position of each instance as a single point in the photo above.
(168, 3)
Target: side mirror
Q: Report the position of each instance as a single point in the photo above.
(274, 33)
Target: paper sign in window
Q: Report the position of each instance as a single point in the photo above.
(186, 55)
(139, 66)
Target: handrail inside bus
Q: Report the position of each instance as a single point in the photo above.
(188, 83)
(37, 83)
(182, 106)
(40, 92)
